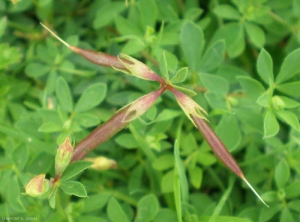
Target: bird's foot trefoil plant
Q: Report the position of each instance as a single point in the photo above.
(227, 68)
(67, 157)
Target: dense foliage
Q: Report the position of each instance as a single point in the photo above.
(243, 63)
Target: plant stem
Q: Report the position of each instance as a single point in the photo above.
(223, 200)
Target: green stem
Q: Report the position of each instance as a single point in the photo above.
(145, 148)
(216, 178)
(126, 198)
(223, 200)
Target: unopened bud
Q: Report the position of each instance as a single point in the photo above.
(102, 163)
(38, 186)
(138, 69)
(63, 156)
(189, 106)
(278, 103)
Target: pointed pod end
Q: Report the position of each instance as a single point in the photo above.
(249, 185)
(49, 30)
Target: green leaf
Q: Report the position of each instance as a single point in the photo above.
(192, 43)
(294, 205)
(180, 75)
(3, 23)
(133, 46)
(14, 194)
(95, 202)
(193, 13)
(167, 114)
(196, 175)
(286, 215)
(216, 101)
(253, 88)
(148, 12)
(64, 95)
(214, 83)
(147, 208)
(265, 67)
(256, 34)
(127, 28)
(267, 213)
(185, 90)
(107, 13)
(229, 132)
(290, 67)
(163, 162)
(296, 7)
(8, 56)
(73, 188)
(271, 126)
(36, 70)
(264, 99)
(293, 191)
(213, 57)
(227, 12)
(20, 157)
(225, 219)
(165, 214)
(163, 67)
(84, 217)
(135, 182)
(206, 158)
(291, 89)
(52, 199)
(289, 103)
(115, 211)
(282, 173)
(91, 97)
(167, 182)
(127, 141)
(87, 119)
(290, 118)
(41, 163)
(50, 127)
(233, 34)
(172, 61)
(270, 196)
(75, 168)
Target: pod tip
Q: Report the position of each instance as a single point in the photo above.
(65, 43)
(249, 185)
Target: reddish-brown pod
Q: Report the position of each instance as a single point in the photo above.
(221, 151)
(116, 123)
(123, 62)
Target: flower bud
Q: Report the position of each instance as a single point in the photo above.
(38, 186)
(278, 102)
(63, 156)
(189, 106)
(138, 69)
(102, 163)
